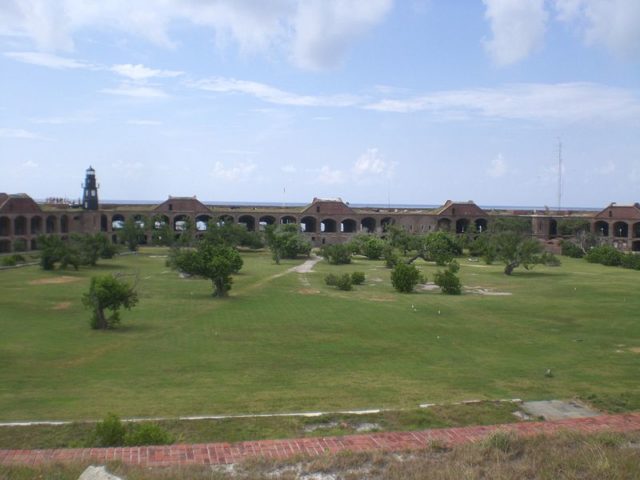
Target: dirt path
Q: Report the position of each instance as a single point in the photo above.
(306, 267)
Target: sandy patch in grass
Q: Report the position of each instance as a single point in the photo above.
(472, 265)
(486, 291)
(427, 287)
(382, 298)
(634, 349)
(62, 306)
(308, 291)
(54, 280)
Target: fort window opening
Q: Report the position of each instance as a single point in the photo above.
(328, 225)
(202, 222)
(117, 222)
(5, 246)
(636, 230)
(225, 220)
(139, 220)
(5, 227)
(348, 226)
(36, 225)
(444, 224)
(266, 220)
(368, 225)
(160, 221)
(308, 225)
(553, 228)
(50, 224)
(180, 223)
(385, 223)
(20, 226)
(621, 229)
(248, 221)
(481, 225)
(462, 225)
(636, 246)
(601, 228)
(286, 220)
(64, 224)
(104, 223)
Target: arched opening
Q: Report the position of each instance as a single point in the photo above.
(50, 224)
(348, 226)
(636, 230)
(328, 225)
(368, 224)
(444, 224)
(140, 221)
(385, 223)
(5, 246)
(34, 244)
(180, 223)
(20, 226)
(601, 228)
(225, 219)
(553, 228)
(308, 225)
(621, 229)
(104, 223)
(20, 245)
(202, 222)
(266, 220)
(481, 225)
(5, 227)
(36, 225)
(117, 222)
(462, 225)
(160, 221)
(64, 224)
(114, 238)
(286, 220)
(635, 246)
(248, 221)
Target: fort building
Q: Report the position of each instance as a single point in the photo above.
(323, 221)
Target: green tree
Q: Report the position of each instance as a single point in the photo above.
(373, 248)
(214, 262)
(521, 225)
(90, 248)
(572, 226)
(132, 233)
(162, 234)
(448, 281)
(232, 235)
(54, 250)
(108, 293)
(405, 277)
(514, 249)
(286, 241)
(399, 238)
(440, 247)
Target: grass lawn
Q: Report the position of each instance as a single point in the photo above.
(286, 342)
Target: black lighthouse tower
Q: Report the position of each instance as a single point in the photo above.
(90, 190)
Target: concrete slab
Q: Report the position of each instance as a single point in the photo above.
(558, 409)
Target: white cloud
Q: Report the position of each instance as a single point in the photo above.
(289, 169)
(316, 32)
(324, 29)
(564, 102)
(49, 60)
(612, 23)
(63, 120)
(19, 133)
(144, 122)
(236, 172)
(137, 91)
(371, 164)
(140, 72)
(517, 27)
(330, 176)
(274, 95)
(498, 167)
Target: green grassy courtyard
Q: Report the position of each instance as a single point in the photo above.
(286, 342)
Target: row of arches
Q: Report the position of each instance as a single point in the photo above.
(462, 225)
(35, 225)
(617, 229)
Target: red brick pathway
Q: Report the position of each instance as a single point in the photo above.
(223, 453)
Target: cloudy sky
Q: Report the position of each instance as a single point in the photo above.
(407, 101)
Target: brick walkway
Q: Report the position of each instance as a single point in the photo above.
(224, 453)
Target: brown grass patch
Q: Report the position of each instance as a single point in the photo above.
(54, 280)
(308, 291)
(62, 306)
(381, 298)
(634, 349)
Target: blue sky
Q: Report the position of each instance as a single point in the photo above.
(408, 101)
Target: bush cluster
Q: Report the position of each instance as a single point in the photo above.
(111, 432)
(448, 281)
(611, 256)
(338, 254)
(345, 281)
(570, 249)
(12, 260)
(405, 277)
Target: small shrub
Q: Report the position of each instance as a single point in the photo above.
(570, 249)
(373, 248)
(331, 280)
(344, 282)
(110, 432)
(391, 256)
(606, 255)
(9, 261)
(448, 281)
(338, 254)
(357, 278)
(147, 434)
(550, 260)
(505, 442)
(405, 277)
(631, 260)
